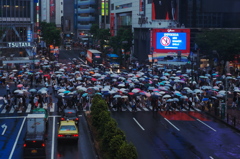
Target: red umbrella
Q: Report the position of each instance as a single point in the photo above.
(19, 85)
(93, 79)
(131, 93)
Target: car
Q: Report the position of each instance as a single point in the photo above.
(68, 130)
(69, 114)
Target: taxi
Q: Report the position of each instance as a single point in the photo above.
(68, 130)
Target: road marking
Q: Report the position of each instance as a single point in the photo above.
(12, 110)
(146, 109)
(53, 138)
(211, 157)
(4, 111)
(4, 126)
(206, 125)
(15, 143)
(138, 124)
(51, 116)
(172, 124)
(12, 117)
(53, 107)
(28, 108)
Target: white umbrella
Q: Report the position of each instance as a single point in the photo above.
(135, 90)
(117, 96)
(79, 78)
(121, 85)
(184, 97)
(61, 69)
(61, 90)
(167, 96)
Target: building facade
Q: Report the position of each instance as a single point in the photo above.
(17, 23)
(147, 16)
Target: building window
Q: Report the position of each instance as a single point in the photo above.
(128, 5)
(112, 6)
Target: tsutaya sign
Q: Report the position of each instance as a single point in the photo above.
(18, 44)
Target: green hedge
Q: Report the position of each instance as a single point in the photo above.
(113, 143)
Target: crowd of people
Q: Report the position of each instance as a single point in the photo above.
(165, 88)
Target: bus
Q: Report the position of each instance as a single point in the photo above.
(113, 60)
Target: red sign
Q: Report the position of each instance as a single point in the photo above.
(112, 24)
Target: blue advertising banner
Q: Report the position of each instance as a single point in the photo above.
(171, 40)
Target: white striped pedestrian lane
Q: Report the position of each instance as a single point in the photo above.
(28, 110)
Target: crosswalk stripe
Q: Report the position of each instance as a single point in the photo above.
(1, 106)
(3, 111)
(12, 110)
(146, 109)
(53, 107)
(28, 108)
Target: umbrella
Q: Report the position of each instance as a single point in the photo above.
(84, 94)
(117, 96)
(205, 99)
(19, 85)
(32, 90)
(151, 88)
(61, 90)
(121, 85)
(136, 90)
(167, 96)
(184, 97)
(170, 100)
(66, 92)
(93, 79)
(18, 91)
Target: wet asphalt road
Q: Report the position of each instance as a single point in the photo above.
(178, 136)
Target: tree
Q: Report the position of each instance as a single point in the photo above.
(126, 151)
(115, 144)
(224, 41)
(50, 33)
(110, 130)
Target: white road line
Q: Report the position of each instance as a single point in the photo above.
(15, 143)
(138, 109)
(3, 111)
(146, 109)
(1, 105)
(197, 109)
(12, 117)
(28, 108)
(211, 157)
(53, 108)
(51, 116)
(138, 124)
(206, 125)
(53, 138)
(172, 124)
(12, 110)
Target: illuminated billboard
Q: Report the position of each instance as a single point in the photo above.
(176, 41)
(170, 41)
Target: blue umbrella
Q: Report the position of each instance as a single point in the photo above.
(66, 92)
(84, 94)
(205, 99)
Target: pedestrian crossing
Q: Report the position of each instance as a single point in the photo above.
(13, 110)
(53, 109)
(140, 109)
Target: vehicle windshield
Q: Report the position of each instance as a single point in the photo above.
(67, 128)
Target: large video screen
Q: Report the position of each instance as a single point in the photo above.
(172, 40)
